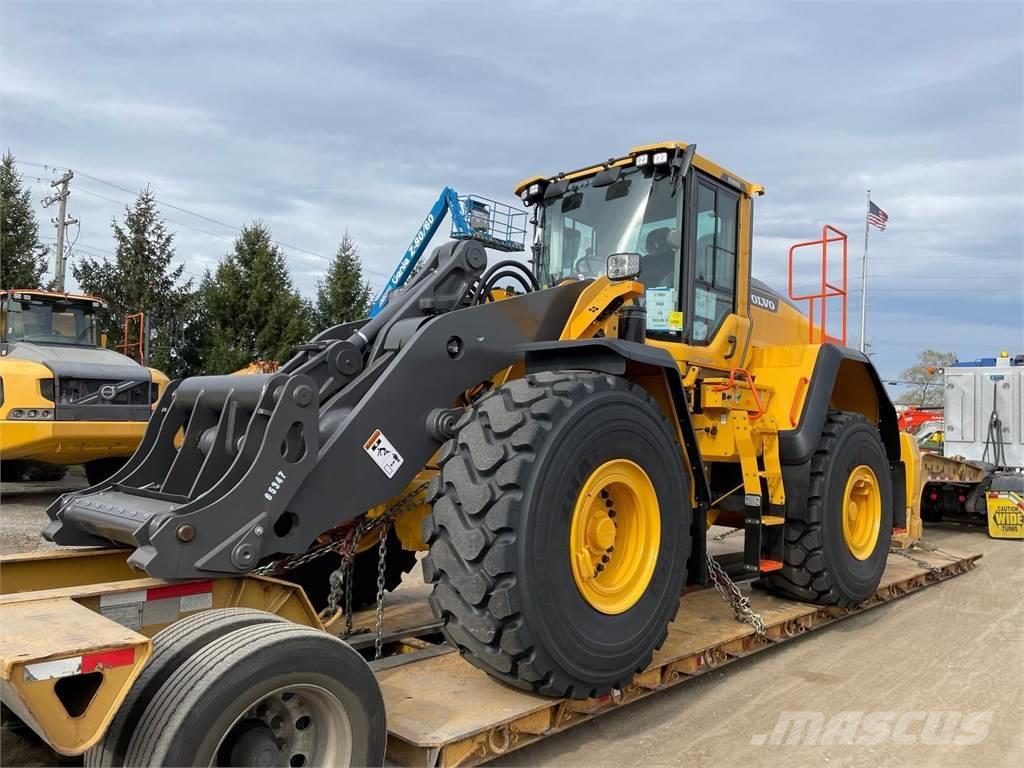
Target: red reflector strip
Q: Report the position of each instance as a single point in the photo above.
(179, 590)
(899, 531)
(770, 565)
(121, 657)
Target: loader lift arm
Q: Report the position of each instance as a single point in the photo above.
(234, 470)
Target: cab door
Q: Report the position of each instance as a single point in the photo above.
(714, 234)
(713, 274)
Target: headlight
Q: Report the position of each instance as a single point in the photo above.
(31, 414)
(642, 160)
(660, 158)
(622, 266)
(534, 189)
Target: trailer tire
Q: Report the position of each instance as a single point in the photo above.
(263, 694)
(829, 558)
(172, 646)
(509, 556)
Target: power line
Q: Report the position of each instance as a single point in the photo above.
(218, 222)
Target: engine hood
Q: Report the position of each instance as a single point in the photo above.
(80, 362)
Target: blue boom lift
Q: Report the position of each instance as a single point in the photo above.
(496, 225)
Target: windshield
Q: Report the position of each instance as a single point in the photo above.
(42, 322)
(639, 213)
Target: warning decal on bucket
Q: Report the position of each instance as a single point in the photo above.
(383, 453)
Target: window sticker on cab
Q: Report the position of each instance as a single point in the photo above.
(661, 305)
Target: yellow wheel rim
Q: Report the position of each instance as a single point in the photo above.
(862, 512)
(614, 536)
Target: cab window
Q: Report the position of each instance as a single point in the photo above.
(714, 282)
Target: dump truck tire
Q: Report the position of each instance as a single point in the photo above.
(519, 488)
(836, 547)
(271, 694)
(12, 471)
(98, 470)
(172, 646)
(314, 576)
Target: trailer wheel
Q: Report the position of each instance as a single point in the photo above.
(559, 533)
(172, 646)
(271, 694)
(836, 547)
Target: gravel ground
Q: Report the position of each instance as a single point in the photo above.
(953, 653)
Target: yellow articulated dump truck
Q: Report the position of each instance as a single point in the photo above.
(557, 436)
(64, 398)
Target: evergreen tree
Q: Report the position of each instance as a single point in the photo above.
(140, 278)
(342, 295)
(22, 256)
(253, 311)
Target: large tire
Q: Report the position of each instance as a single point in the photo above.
(12, 471)
(98, 470)
(231, 700)
(314, 576)
(819, 564)
(39, 472)
(504, 506)
(172, 647)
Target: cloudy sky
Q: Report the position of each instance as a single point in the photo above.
(322, 117)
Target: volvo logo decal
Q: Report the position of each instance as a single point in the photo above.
(764, 301)
(108, 391)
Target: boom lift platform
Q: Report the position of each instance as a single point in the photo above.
(497, 225)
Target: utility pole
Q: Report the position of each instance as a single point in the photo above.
(61, 223)
(864, 280)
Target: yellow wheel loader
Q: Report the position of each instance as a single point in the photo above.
(559, 451)
(64, 398)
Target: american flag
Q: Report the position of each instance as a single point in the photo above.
(876, 216)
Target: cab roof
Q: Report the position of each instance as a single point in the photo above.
(36, 293)
(699, 161)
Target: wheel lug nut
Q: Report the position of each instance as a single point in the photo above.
(611, 513)
(608, 503)
(600, 567)
(605, 558)
(611, 548)
(604, 494)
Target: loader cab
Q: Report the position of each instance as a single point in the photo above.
(690, 226)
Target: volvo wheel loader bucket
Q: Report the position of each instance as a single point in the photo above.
(234, 470)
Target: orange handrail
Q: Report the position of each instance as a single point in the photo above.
(731, 382)
(829, 234)
(134, 349)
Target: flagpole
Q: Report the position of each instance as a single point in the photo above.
(864, 277)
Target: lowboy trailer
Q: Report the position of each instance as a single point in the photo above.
(68, 662)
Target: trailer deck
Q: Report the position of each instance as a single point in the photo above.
(444, 712)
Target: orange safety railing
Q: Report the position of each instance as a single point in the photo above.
(829, 234)
(134, 348)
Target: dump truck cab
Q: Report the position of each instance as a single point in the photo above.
(66, 399)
